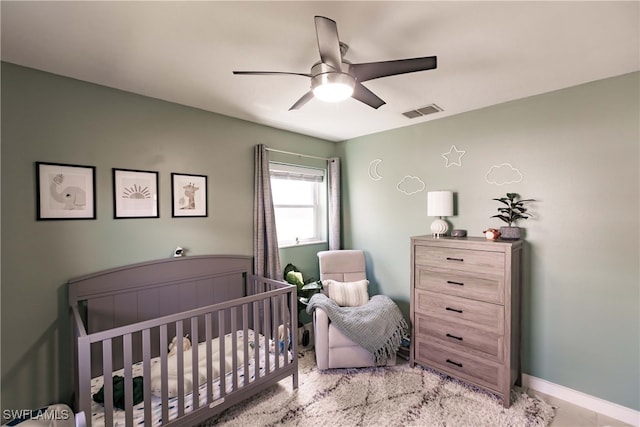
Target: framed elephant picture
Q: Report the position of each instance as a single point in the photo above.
(188, 195)
(65, 191)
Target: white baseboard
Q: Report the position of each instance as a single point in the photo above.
(601, 406)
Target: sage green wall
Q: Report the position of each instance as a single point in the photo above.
(577, 150)
(55, 119)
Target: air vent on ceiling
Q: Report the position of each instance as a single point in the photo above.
(422, 111)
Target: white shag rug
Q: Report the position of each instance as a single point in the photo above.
(389, 396)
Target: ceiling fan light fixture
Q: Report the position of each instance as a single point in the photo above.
(334, 79)
(332, 87)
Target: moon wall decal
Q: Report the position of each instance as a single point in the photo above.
(373, 170)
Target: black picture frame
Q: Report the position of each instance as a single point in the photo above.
(65, 191)
(135, 194)
(189, 195)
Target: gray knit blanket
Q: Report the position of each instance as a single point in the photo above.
(377, 326)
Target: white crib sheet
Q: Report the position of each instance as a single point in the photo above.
(97, 410)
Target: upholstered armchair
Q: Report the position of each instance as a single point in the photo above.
(333, 348)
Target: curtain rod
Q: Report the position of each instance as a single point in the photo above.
(296, 154)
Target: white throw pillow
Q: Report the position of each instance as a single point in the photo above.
(348, 294)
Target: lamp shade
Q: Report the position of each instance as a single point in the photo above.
(440, 203)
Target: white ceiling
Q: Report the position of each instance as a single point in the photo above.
(184, 52)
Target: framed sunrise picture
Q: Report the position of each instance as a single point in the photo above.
(135, 194)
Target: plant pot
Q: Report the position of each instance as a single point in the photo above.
(510, 233)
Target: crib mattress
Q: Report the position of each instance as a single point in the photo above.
(97, 410)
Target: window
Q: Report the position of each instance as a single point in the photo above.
(299, 200)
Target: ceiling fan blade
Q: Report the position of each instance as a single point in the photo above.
(303, 100)
(374, 70)
(365, 96)
(328, 42)
(270, 73)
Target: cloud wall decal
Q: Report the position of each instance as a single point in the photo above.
(410, 185)
(503, 174)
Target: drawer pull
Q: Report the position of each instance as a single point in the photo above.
(459, 365)
(453, 309)
(455, 337)
(455, 259)
(451, 282)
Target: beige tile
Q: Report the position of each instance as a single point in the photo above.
(567, 414)
(570, 415)
(604, 421)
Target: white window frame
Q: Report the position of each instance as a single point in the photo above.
(304, 173)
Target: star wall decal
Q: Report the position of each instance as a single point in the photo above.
(454, 156)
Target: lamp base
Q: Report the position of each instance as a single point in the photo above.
(439, 228)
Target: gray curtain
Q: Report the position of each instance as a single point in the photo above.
(334, 203)
(266, 258)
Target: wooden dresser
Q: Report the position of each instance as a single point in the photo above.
(465, 310)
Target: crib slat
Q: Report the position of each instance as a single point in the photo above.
(245, 342)
(107, 379)
(223, 377)
(288, 328)
(267, 334)
(127, 349)
(195, 371)
(207, 336)
(84, 377)
(234, 347)
(276, 335)
(164, 380)
(146, 373)
(232, 350)
(180, 368)
(277, 306)
(256, 348)
(293, 303)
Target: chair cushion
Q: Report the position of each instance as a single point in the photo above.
(347, 294)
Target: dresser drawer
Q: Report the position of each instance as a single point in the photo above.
(464, 338)
(483, 262)
(482, 315)
(474, 370)
(464, 284)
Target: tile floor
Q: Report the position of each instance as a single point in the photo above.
(570, 415)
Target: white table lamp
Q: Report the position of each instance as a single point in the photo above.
(440, 204)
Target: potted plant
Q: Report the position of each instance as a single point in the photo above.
(512, 211)
(306, 289)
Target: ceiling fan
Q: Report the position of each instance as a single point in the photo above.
(334, 79)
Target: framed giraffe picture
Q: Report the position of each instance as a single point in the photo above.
(188, 195)
(135, 194)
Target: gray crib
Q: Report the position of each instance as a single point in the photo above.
(124, 319)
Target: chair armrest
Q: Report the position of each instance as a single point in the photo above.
(321, 333)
